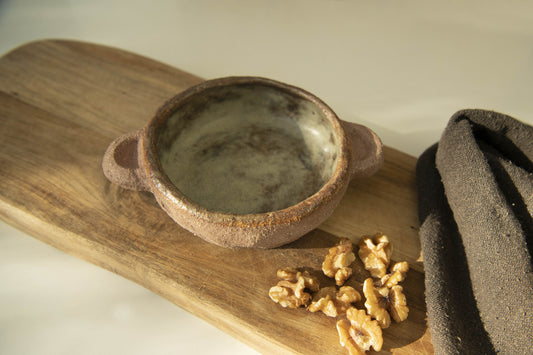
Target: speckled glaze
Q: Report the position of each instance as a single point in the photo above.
(245, 161)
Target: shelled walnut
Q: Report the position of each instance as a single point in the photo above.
(375, 254)
(397, 274)
(398, 304)
(338, 261)
(293, 275)
(290, 291)
(377, 301)
(333, 302)
(382, 300)
(360, 333)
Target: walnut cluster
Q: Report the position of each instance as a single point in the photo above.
(385, 298)
(358, 329)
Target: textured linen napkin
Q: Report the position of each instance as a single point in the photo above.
(475, 194)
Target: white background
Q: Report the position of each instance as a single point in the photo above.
(400, 67)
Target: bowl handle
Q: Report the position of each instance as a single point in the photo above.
(120, 163)
(366, 149)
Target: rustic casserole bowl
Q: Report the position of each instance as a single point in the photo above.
(245, 161)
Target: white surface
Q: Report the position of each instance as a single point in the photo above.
(400, 67)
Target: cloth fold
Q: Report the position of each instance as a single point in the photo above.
(475, 194)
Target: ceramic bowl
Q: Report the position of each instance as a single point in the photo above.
(245, 161)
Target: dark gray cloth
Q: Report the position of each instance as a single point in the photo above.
(475, 193)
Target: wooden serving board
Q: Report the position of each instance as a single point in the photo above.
(61, 104)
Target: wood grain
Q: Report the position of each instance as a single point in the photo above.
(62, 102)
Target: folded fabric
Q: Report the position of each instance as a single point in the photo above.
(475, 194)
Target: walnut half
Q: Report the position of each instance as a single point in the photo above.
(293, 275)
(337, 262)
(377, 302)
(290, 291)
(398, 304)
(397, 274)
(360, 333)
(375, 254)
(382, 300)
(332, 302)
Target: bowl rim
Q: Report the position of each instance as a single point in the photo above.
(161, 183)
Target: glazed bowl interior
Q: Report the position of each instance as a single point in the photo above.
(249, 148)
